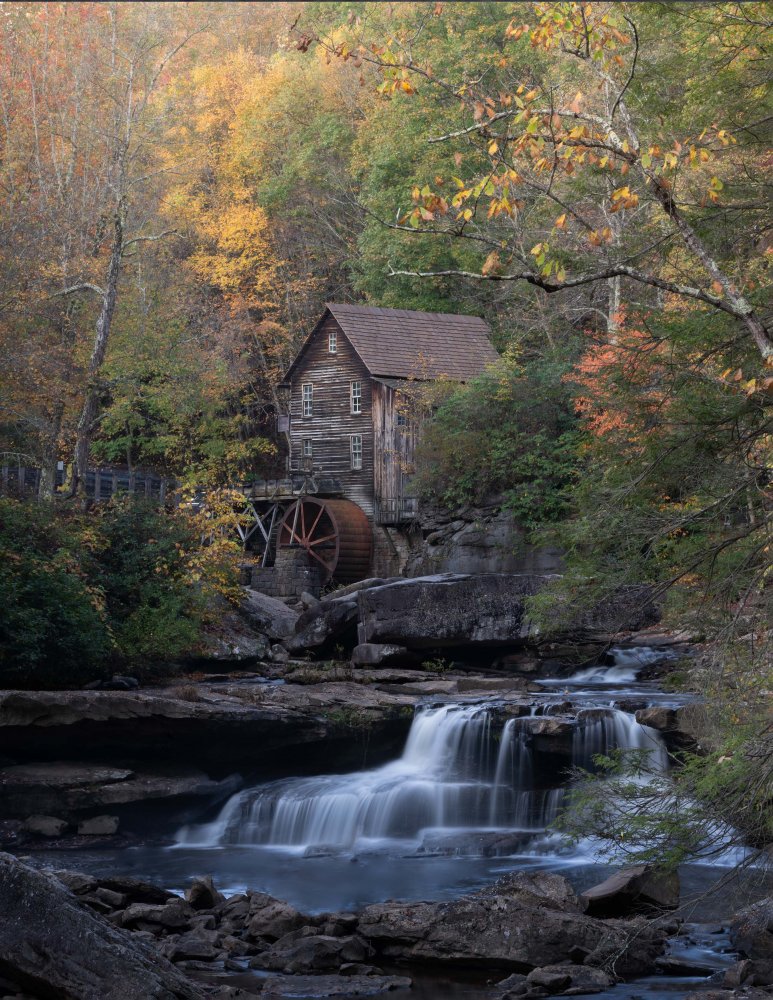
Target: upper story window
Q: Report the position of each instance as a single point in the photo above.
(356, 450)
(308, 448)
(332, 342)
(307, 391)
(356, 397)
(402, 420)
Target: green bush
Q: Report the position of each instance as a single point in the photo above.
(510, 431)
(84, 594)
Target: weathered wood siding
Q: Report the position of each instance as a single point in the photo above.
(394, 446)
(332, 422)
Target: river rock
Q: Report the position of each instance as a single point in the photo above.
(751, 930)
(638, 889)
(45, 826)
(98, 826)
(202, 894)
(322, 628)
(53, 946)
(657, 717)
(570, 980)
(496, 928)
(270, 616)
(174, 915)
(270, 918)
(302, 952)
(332, 986)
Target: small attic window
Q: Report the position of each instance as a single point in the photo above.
(332, 342)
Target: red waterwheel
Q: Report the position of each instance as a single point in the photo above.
(335, 534)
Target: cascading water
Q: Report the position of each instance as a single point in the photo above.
(455, 774)
(601, 731)
(627, 666)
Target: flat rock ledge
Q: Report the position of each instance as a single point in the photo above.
(69, 934)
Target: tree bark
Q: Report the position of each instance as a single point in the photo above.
(90, 410)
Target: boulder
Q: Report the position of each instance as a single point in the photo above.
(268, 615)
(484, 610)
(638, 889)
(749, 973)
(270, 918)
(174, 915)
(45, 826)
(202, 894)
(299, 952)
(53, 946)
(508, 925)
(331, 986)
(570, 980)
(322, 628)
(448, 610)
(657, 717)
(98, 826)
(751, 930)
(197, 946)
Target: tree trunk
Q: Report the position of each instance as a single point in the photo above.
(90, 410)
(47, 483)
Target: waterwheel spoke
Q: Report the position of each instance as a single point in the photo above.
(316, 522)
(319, 541)
(329, 566)
(303, 519)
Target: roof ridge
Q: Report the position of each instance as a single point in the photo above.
(411, 312)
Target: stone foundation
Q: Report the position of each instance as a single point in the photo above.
(290, 576)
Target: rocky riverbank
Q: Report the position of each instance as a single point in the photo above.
(90, 938)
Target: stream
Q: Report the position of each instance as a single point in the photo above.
(468, 800)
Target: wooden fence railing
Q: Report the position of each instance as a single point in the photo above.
(101, 483)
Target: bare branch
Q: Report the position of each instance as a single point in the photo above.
(614, 271)
(151, 239)
(84, 286)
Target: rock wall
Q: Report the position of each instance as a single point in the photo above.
(485, 539)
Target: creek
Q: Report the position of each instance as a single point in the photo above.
(470, 798)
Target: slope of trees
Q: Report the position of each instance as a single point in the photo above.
(185, 185)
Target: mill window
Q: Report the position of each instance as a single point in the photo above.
(332, 342)
(308, 399)
(356, 397)
(308, 448)
(356, 450)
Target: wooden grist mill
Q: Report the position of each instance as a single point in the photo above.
(348, 507)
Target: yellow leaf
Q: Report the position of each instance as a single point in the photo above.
(493, 148)
(561, 221)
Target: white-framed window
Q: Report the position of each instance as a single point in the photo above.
(355, 444)
(356, 397)
(332, 342)
(308, 448)
(307, 391)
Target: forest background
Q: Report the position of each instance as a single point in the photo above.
(183, 186)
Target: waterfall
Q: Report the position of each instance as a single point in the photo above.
(600, 731)
(452, 776)
(626, 668)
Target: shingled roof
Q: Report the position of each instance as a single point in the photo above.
(403, 343)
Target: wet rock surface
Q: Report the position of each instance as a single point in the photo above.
(52, 946)
(637, 889)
